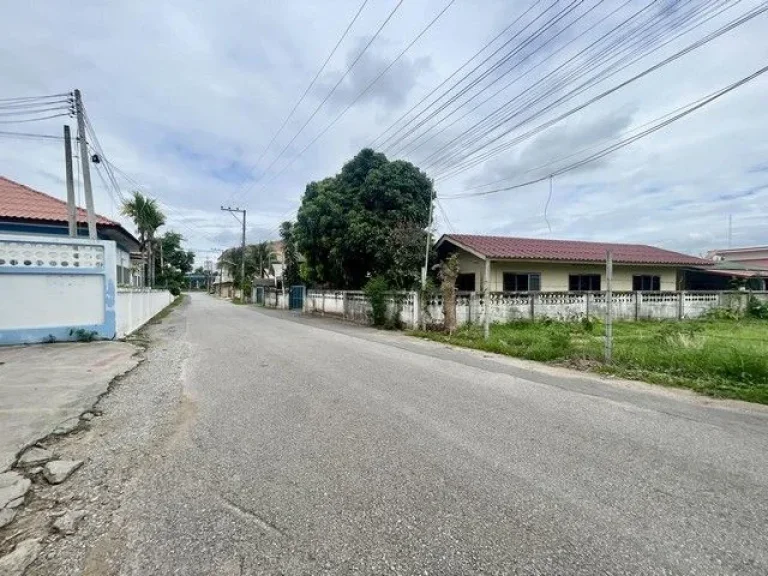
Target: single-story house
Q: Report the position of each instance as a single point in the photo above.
(25, 211)
(528, 264)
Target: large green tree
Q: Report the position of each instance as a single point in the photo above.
(369, 220)
(173, 262)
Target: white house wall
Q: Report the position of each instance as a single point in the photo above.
(554, 276)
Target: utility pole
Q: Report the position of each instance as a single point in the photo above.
(71, 203)
(242, 257)
(86, 165)
(422, 305)
(608, 306)
(429, 243)
(487, 299)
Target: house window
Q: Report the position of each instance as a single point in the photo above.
(465, 283)
(646, 283)
(584, 282)
(529, 282)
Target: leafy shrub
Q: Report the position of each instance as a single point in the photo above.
(83, 335)
(721, 313)
(376, 290)
(175, 290)
(757, 309)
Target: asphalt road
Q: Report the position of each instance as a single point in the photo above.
(305, 447)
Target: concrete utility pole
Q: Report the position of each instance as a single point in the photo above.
(71, 203)
(608, 306)
(86, 165)
(487, 299)
(429, 243)
(242, 259)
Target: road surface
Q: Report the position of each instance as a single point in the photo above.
(303, 446)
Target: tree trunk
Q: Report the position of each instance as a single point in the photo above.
(150, 265)
(449, 307)
(449, 272)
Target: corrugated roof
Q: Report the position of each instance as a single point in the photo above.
(22, 202)
(511, 248)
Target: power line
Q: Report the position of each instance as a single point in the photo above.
(457, 168)
(32, 112)
(33, 119)
(29, 135)
(31, 106)
(364, 91)
(459, 69)
(327, 97)
(34, 98)
(643, 30)
(309, 87)
(504, 60)
(624, 142)
(508, 84)
(445, 216)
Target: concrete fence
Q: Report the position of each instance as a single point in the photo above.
(512, 306)
(52, 289)
(354, 305)
(269, 297)
(134, 307)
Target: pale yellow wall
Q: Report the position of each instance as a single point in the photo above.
(554, 276)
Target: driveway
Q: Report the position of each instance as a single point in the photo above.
(47, 385)
(303, 446)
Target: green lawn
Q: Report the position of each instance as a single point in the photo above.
(723, 358)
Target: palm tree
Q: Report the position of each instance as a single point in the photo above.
(147, 217)
(260, 254)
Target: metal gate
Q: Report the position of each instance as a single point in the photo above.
(296, 298)
(259, 297)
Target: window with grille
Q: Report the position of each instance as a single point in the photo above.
(528, 282)
(646, 283)
(584, 282)
(465, 283)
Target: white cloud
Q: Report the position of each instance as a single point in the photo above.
(186, 94)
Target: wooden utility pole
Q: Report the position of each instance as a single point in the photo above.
(242, 244)
(71, 202)
(86, 165)
(608, 306)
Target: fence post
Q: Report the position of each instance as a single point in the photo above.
(532, 305)
(487, 299)
(344, 304)
(416, 309)
(681, 305)
(586, 304)
(638, 304)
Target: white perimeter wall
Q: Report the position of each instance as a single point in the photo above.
(135, 307)
(42, 300)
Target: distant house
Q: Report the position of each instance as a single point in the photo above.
(25, 211)
(526, 264)
(734, 267)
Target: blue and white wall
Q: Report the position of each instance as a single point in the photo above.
(50, 288)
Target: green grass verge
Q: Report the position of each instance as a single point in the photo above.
(721, 358)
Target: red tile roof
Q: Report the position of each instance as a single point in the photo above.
(22, 202)
(509, 248)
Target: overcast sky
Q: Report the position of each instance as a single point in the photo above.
(185, 95)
